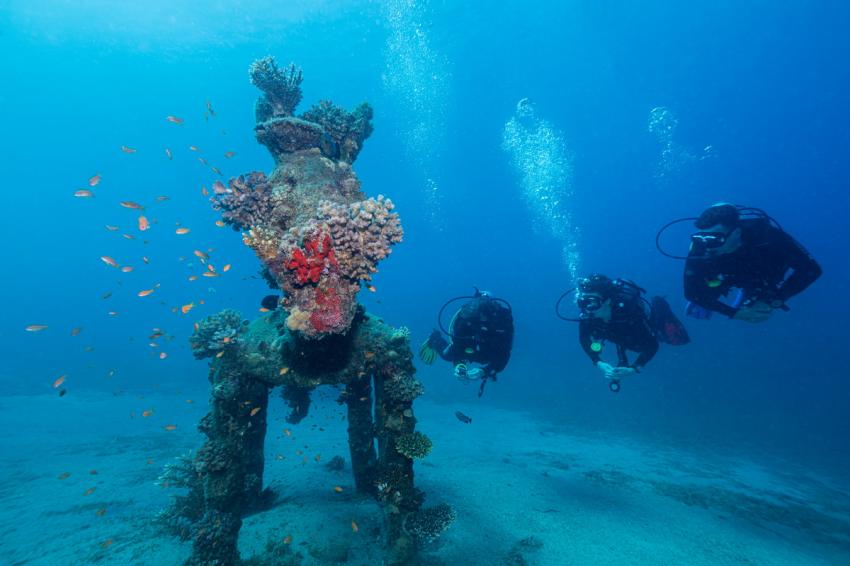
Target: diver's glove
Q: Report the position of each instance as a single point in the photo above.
(758, 311)
(606, 369)
(429, 349)
(461, 371)
(623, 371)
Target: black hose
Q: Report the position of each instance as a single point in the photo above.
(662, 230)
(558, 307)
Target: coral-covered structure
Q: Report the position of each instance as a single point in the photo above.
(315, 231)
(319, 239)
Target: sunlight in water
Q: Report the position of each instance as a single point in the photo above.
(544, 166)
(416, 77)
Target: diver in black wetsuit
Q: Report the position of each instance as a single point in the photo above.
(753, 255)
(481, 332)
(614, 311)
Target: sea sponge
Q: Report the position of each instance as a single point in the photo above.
(413, 445)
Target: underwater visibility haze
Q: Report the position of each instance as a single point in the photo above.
(242, 240)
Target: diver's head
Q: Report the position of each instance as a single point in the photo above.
(719, 230)
(593, 296)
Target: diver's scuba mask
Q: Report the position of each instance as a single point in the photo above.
(709, 240)
(589, 303)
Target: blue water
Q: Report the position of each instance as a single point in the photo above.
(762, 85)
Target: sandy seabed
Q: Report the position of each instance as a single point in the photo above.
(525, 491)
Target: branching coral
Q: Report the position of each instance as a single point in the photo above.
(413, 445)
(426, 525)
(362, 233)
(403, 388)
(216, 332)
(347, 130)
(248, 201)
(282, 88)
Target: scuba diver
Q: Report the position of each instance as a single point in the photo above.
(614, 310)
(743, 251)
(481, 332)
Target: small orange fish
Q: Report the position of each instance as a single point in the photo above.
(101, 512)
(211, 267)
(318, 457)
(108, 261)
(64, 475)
(89, 491)
(215, 170)
(129, 236)
(126, 149)
(163, 198)
(283, 371)
(162, 355)
(131, 204)
(189, 401)
(263, 309)
(76, 331)
(170, 427)
(111, 228)
(174, 120)
(143, 223)
(220, 354)
(354, 527)
(338, 489)
(127, 269)
(59, 381)
(94, 180)
(211, 274)
(181, 231)
(226, 267)
(287, 539)
(287, 432)
(145, 259)
(219, 188)
(229, 154)
(145, 292)
(203, 161)
(193, 278)
(186, 308)
(110, 313)
(255, 410)
(204, 192)
(368, 355)
(193, 148)
(36, 327)
(107, 543)
(84, 193)
(202, 255)
(168, 153)
(220, 223)
(196, 326)
(147, 413)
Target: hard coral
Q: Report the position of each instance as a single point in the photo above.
(282, 89)
(248, 201)
(328, 316)
(216, 332)
(426, 525)
(347, 130)
(414, 445)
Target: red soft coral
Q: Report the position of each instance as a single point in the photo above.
(309, 263)
(328, 316)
